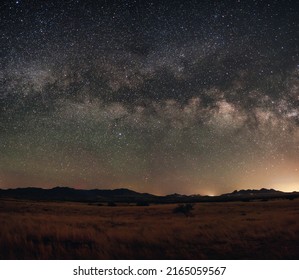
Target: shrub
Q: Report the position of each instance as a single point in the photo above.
(184, 209)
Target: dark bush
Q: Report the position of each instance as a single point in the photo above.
(185, 209)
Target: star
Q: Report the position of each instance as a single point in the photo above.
(192, 98)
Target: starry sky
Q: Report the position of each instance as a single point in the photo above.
(155, 96)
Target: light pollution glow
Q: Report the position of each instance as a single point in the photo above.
(142, 96)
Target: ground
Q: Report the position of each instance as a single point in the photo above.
(231, 230)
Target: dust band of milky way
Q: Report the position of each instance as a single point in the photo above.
(180, 96)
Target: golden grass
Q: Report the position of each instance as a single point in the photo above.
(235, 230)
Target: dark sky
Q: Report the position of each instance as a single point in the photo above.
(156, 96)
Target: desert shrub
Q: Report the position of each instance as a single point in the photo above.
(185, 209)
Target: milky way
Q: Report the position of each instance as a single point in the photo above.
(157, 96)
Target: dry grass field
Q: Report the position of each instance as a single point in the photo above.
(231, 230)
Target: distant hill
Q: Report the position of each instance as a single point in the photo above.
(130, 196)
(71, 194)
(253, 192)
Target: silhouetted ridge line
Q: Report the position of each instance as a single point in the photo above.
(124, 195)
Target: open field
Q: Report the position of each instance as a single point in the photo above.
(232, 230)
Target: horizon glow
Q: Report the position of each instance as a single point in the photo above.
(180, 97)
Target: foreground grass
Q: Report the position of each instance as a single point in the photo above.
(254, 230)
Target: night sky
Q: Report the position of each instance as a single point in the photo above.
(155, 96)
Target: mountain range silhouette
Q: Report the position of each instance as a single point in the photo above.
(124, 195)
